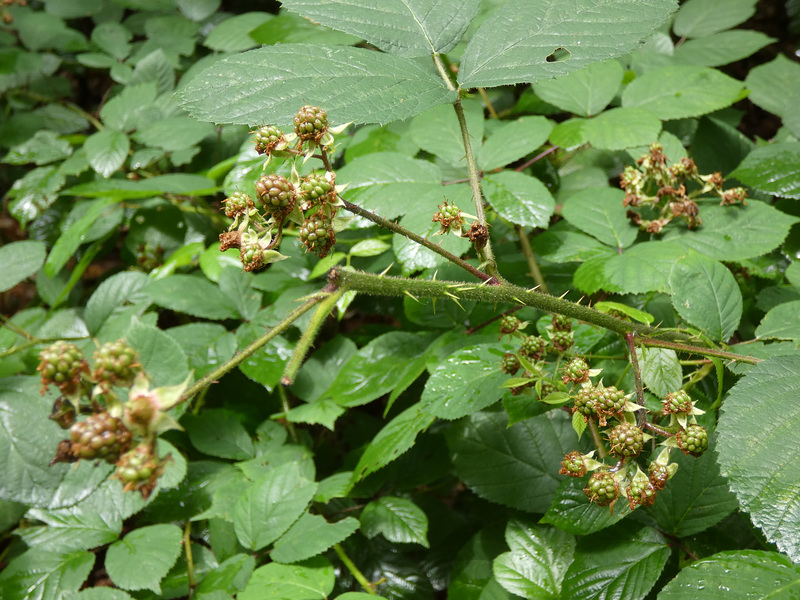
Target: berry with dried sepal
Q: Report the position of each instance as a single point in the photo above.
(277, 194)
(63, 413)
(562, 323)
(100, 436)
(576, 371)
(532, 347)
(661, 470)
(252, 255)
(115, 363)
(676, 402)
(562, 340)
(693, 440)
(641, 491)
(510, 363)
(448, 216)
(602, 488)
(269, 138)
(238, 205)
(626, 440)
(548, 387)
(310, 123)
(509, 324)
(62, 364)
(317, 234)
(610, 402)
(573, 465)
(139, 470)
(586, 403)
(317, 189)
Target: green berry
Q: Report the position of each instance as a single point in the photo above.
(277, 194)
(238, 204)
(310, 123)
(532, 347)
(693, 440)
(586, 403)
(658, 474)
(562, 340)
(573, 465)
(509, 324)
(316, 189)
(641, 493)
(252, 255)
(677, 402)
(267, 138)
(448, 215)
(115, 363)
(576, 371)
(317, 234)
(562, 323)
(602, 489)
(139, 469)
(626, 440)
(610, 403)
(62, 364)
(510, 363)
(99, 436)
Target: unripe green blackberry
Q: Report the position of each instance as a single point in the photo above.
(509, 364)
(448, 215)
(238, 204)
(693, 440)
(573, 465)
(602, 489)
(610, 403)
(62, 364)
(659, 474)
(267, 138)
(317, 234)
(562, 341)
(626, 440)
(316, 189)
(252, 255)
(532, 347)
(547, 388)
(99, 436)
(509, 324)
(586, 402)
(677, 402)
(641, 492)
(562, 323)
(277, 194)
(576, 371)
(310, 123)
(139, 469)
(115, 363)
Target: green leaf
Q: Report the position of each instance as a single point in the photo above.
(617, 307)
(508, 49)
(539, 558)
(722, 48)
(218, 432)
(705, 293)
(600, 213)
(781, 322)
(519, 198)
(759, 451)
(111, 294)
(513, 466)
(332, 77)
(621, 128)
(772, 169)
(107, 151)
(34, 193)
(113, 38)
(312, 580)
(270, 506)
(731, 233)
(230, 576)
(699, 18)
(774, 85)
(132, 107)
(406, 27)
(20, 260)
(99, 593)
(397, 519)
(40, 575)
(661, 371)
(174, 183)
(472, 577)
(392, 441)
(437, 131)
(376, 368)
(696, 497)
(206, 345)
(162, 358)
(43, 148)
(369, 248)
(69, 529)
(155, 68)
(681, 91)
(198, 10)
(623, 564)
(467, 381)
(180, 293)
(513, 140)
(572, 512)
(143, 557)
(232, 35)
(173, 133)
(585, 92)
(67, 244)
(265, 365)
(311, 535)
(563, 245)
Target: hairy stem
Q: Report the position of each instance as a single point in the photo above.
(400, 230)
(354, 570)
(641, 417)
(437, 60)
(535, 271)
(689, 349)
(597, 440)
(187, 549)
(286, 408)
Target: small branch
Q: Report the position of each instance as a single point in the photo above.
(437, 60)
(286, 408)
(212, 377)
(304, 343)
(187, 549)
(641, 417)
(535, 271)
(492, 112)
(354, 570)
(751, 360)
(536, 158)
(400, 230)
(657, 429)
(598, 441)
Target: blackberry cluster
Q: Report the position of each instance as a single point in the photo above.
(277, 194)
(510, 364)
(268, 138)
(310, 123)
(626, 440)
(533, 347)
(139, 470)
(100, 436)
(115, 363)
(576, 371)
(509, 324)
(317, 234)
(62, 364)
(602, 488)
(693, 440)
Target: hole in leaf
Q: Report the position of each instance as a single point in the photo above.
(559, 55)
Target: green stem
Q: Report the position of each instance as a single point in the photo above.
(641, 417)
(304, 343)
(380, 285)
(286, 408)
(225, 368)
(437, 60)
(187, 548)
(400, 230)
(354, 570)
(535, 271)
(597, 440)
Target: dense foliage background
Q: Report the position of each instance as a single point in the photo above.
(398, 459)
